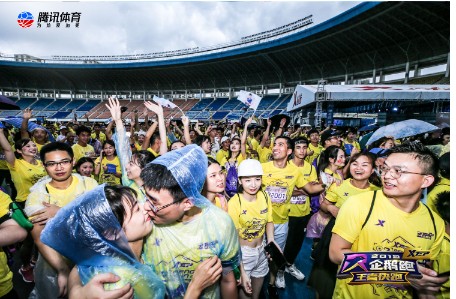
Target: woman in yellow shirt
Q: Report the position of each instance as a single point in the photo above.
(107, 167)
(25, 169)
(214, 187)
(236, 154)
(251, 212)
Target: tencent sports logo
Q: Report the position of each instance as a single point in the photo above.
(25, 19)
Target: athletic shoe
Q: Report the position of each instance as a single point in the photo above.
(280, 280)
(27, 273)
(272, 290)
(295, 272)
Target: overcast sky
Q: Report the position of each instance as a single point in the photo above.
(116, 28)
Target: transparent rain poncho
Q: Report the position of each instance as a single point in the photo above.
(175, 250)
(87, 232)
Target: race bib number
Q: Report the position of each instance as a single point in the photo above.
(298, 200)
(277, 194)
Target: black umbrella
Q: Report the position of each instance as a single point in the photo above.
(275, 121)
(7, 104)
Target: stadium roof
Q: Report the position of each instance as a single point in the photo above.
(371, 35)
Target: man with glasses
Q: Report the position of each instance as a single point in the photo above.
(391, 220)
(47, 196)
(188, 228)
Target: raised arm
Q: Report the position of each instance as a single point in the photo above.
(108, 130)
(197, 128)
(244, 137)
(120, 139)
(279, 131)
(266, 134)
(186, 123)
(24, 125)
(148, 135)
(7, 149)
(161, 124)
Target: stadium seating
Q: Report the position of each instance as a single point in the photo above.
(40, 104)
(25, 102)
(202, 104)
(74, 104)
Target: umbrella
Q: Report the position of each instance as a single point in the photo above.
(7, 104)
(401, 129)
(275, 120)
(371, 127)
(364, 139)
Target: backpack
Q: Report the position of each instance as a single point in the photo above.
(231, 180)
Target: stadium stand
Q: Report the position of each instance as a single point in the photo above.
(40, 104)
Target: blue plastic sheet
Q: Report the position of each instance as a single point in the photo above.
(188, 166)
(87, 232)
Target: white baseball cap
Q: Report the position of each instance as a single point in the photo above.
(250, 167)
(225, 138)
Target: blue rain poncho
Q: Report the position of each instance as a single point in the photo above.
(87, 232)
(175, 250)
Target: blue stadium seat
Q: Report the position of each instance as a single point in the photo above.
(57, 105)
(87, 106)
(231, 105)
(201, 105)
(219, 115)
(41, 104)
(61, 114)
(73, 104)
(215, 105)
(25, 102)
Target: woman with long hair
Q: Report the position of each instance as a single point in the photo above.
(214, 187)
(107, 166)
(236, 154)
(330, 169)
(251, 211)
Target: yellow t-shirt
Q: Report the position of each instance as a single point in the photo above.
(316, 152)
(339, 194)
(254, 144)
(39, 147)
(442, 265)
(279, 183)
(387, 229)
(3, 163)
(138, 147)
(250, 217)
(24, 176)
(109, 178)
(221, 203)
(442, 186)
(153, 152)
(264, 154)
(45, 192)
(6, 276)
(300, 205)
(221, 153)
(239, 159)
(102, 137)
(80, 151)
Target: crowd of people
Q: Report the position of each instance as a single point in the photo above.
(177, 209)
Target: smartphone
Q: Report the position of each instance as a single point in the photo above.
(277, 256)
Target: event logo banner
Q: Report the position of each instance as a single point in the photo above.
(381, 267)
(56, 19)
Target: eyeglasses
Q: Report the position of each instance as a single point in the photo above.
(54, 164)
(156, 209)
(396, 172)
